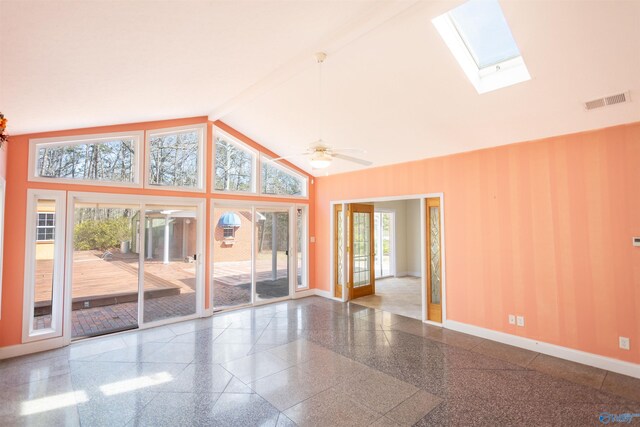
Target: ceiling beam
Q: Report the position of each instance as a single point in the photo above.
(335, 41)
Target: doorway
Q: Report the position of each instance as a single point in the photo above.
(407, 261)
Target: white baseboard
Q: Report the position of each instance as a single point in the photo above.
(305, 293)
(602, 362)
(324, 294)
(327, 294)
(408, 273)
(31, 347)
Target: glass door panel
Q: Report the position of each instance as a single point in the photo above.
(272, 253)
(170, 262)
(382, 238)
(105, 266)
(434, 262)
(45, 250)
(232, 256)
(301, 248)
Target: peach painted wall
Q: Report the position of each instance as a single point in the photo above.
(15, 218)
(541, 229)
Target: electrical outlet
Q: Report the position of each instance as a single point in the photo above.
(624, 343)
(512, 319)
(87, 304)
(520, 321)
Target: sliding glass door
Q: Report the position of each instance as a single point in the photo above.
(255, 257)
(272, 254)
(232, 238)
(170, 256)
(105, 269)
(132, 263)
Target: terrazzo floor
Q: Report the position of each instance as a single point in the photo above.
(307, 362)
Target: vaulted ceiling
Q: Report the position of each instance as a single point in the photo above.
(391, 86)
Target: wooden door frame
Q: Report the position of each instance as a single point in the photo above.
(422, 198)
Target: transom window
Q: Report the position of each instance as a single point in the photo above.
(239, 168)
(46, 228)
(277, 180)
(234, 165)
(93, 159)
(176, 158)
(480, 39)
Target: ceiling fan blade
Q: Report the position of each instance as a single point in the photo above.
(352, 159)
(306, 153)
(352, 150)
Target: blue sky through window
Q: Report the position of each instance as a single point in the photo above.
(485, 32)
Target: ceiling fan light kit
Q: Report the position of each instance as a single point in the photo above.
(320, 160)
(320, 154)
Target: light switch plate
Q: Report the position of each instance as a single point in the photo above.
(312, 239)
(512, 319)
(624, 343)
(636, 241)
(520, 321)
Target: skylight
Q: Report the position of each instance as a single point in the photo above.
(480, 39)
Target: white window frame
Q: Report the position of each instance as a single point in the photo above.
(57, 294)
(487, 79)
(254, 206)
(202, 157)
(265, 159)
(37, 143)
(305, 247)
(255, 169)
(142, 201)
(38, 226)
(3, 190)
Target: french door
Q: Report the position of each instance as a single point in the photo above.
(132, 264)
(360, 275)
(361, 256)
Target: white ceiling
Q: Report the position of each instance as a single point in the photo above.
(391, 86)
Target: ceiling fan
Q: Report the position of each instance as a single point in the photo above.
(320, 154)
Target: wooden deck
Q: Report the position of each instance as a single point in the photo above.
(94, 277)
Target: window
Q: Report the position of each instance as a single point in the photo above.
(175, 158)
(235, 165)
(277, 180)
(229, 232)
(46, 228)
(480, 39)
(301, 248)
(92, 159)
(44, 265)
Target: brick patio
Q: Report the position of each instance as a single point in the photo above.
(113, 285)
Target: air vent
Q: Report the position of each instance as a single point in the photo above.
(608, 100)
